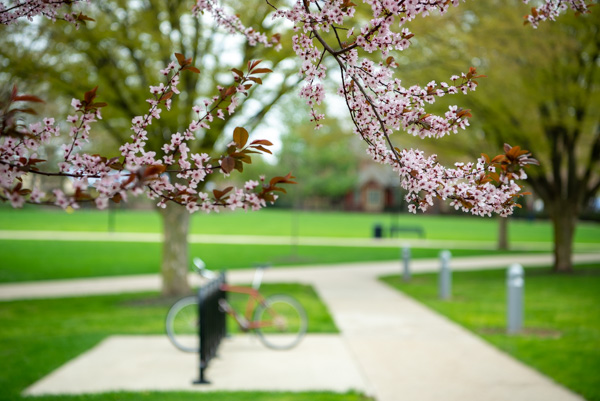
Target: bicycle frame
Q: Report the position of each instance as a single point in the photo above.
(278, 320)
(255, 298)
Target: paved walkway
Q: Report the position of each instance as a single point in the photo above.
(403, 350)
(308, 274)
(321, 362)
(23, 235)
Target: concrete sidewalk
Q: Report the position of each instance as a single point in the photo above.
(400, 349)
(24, 235)
(321, 362)
(303, 274)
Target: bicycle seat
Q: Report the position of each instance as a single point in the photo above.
(258, 274)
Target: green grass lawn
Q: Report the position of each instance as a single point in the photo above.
(562, 318)
(38, 336)
(282, 222)
(72, 259)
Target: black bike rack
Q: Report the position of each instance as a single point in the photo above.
(212, 326)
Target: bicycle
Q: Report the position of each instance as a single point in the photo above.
(279, 321)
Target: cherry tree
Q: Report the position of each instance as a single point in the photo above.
(334, 39)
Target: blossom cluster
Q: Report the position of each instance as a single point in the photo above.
(174, 177)
(232, 23)
(17, 152)
(466, 185)
(551, 9)
(379, 104)
(14, 10)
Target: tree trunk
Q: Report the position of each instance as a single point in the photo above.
(503, 233)
(564, 221)
(175, 258)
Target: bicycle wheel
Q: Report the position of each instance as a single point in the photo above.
(283, 322)
(182, 324)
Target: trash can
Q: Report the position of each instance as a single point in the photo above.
(377, 231)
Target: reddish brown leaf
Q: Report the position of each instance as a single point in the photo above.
(83, 18)
(219, 194)
(498, 159)
(180, 59)
(268, 197)
(239, 165)
(262, 149)
(228, 164)
(154, 170)
(262, 71)
(35, 161)
(244, 157)
(261, 142)
(227, 92)
(90, 96)
(534, 12)
(252, 64)
(27, 98)
(191, 68)
(240, 137)
(286, 180)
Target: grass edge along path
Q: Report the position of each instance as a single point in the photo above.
(38, 336)
(209, 396)
(51, 260)
(280, 222)
(561, 336)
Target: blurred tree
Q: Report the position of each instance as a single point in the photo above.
(122, 51)
(542, 91)
(325, 161)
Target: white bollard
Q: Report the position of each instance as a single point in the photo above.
(515, 284)
(445, 277)
(406, 263)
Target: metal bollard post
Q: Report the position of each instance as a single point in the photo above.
(515, 284)
(445, 277)
(406, 263)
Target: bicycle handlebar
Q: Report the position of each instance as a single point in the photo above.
(202, 270)
(209, 274)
